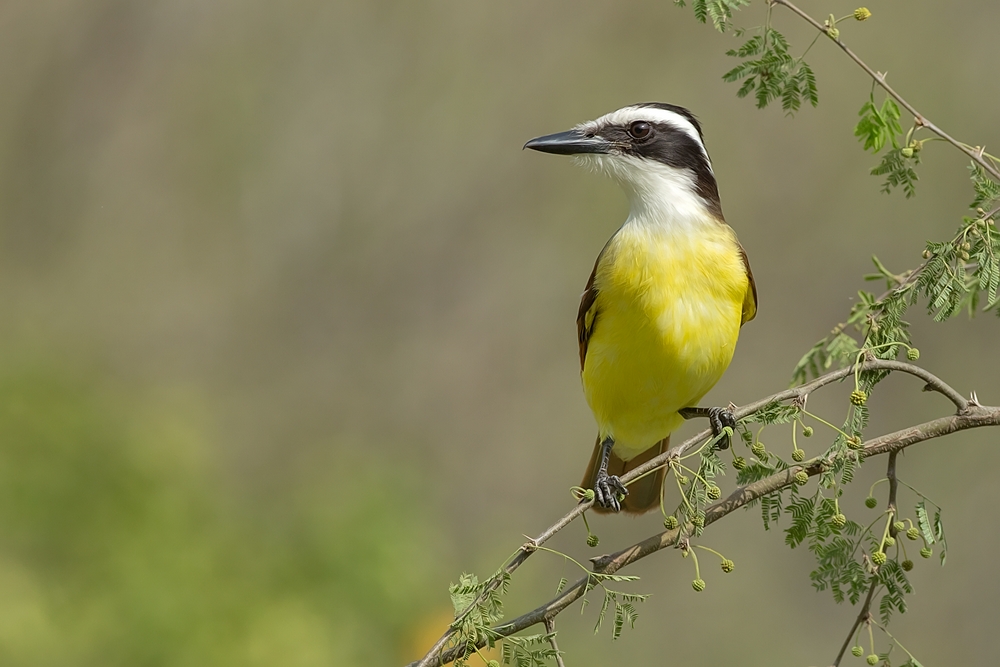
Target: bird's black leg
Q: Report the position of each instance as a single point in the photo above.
(718, 418)
(607, 487)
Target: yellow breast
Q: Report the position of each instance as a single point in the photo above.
(665, 323)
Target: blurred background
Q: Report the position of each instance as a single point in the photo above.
(288, 338)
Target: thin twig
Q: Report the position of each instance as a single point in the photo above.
(799, 393)
(974, 416)
(865, 613)
(550, 630)
(879, 79)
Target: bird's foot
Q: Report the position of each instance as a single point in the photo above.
(719, 419)
(609, 492)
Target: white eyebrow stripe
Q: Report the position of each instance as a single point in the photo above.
(652, 114)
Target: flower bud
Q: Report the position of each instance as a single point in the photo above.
(739, 463)
(870, 502)
(907, 152)
(670, 523)
(801, 477)
(698, 585)
(798, 455)
(878, 557)
(857, 651)
(807, 431)
(593, 540)
(926, 552)
(713, 492)
(913, 533)
(858, 397)
(913, 354)
(872, 659)
(907, 565)
(862, 14)
(727, 565)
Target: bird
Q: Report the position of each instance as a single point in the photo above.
(662, 311)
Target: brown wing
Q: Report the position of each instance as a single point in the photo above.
(587, 315)
(750, 300)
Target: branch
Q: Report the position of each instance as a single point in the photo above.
(879, 78)
(972, 415)
(863, 615)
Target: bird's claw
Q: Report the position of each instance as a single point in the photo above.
(609, 492)
(720, 418)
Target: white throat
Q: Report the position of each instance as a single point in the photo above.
(660, 196)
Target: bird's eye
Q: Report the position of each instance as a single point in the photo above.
(639, 129)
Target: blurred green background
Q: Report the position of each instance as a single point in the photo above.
(288, 338)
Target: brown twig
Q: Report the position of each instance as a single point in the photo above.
(865, 613)
(879, 79)
(550, 630)
(973, 416)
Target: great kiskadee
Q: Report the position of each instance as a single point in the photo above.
(661, 313)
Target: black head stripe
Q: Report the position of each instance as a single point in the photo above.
(680, 111)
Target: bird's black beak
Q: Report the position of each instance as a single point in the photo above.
(572, 142)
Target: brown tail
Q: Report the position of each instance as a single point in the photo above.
(644, 494)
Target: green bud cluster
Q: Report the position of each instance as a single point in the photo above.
(713, 492)
(807, 431)
(913, 533)
(492, 663)
(854, 442)
(872, 659)
(899, 526)
(593, 540)
(698, 520)
(907, 565)
(913, 354)
(727, 565)
(857, 651)
(862, 14)
(683, 479)
(890, 541)
(670, 523)
(798, 455)
(878, 557)
(926, 552)
(739, 463)
(838, 520)
(858, 397)
(870, 502)
(801, 477)
(759, 450)
(698, 585)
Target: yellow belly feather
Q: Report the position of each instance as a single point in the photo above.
(668, 314)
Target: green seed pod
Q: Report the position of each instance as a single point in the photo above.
(838, 520)
(739, 463)
(698, 585)
(713, 492)
(807, 431)
(862, 14)
(593, 540)
(907, 565)
(872, 659)
(899, 526)
(801, 477)
(727, 565)
(870, 502)
(890, 541)
(759, 450)
(926, 552)
(857, 651)
(670, 523)
(858, 397)
(798, 455)
(878, 557)
(913, 533)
